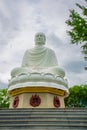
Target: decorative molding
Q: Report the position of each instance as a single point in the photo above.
(56, 101)
(35, 101)
(39, 90)
(36, 79)
(16, 102)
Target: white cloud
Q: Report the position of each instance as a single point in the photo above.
(78, 78)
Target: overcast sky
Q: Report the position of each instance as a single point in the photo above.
(21, 19)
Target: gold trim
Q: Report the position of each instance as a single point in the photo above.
(38, 90)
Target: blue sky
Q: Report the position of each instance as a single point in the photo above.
(21, 19)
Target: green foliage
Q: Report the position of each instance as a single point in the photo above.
(4, 99)
(78, 24)
(77, 97)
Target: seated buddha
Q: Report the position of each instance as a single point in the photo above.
(39, 59)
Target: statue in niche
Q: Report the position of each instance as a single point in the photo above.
(39, 59)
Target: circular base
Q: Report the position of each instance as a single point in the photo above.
(37, 100)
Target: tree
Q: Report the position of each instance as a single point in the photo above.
(77, 96)
(78, 24)
(4, 99)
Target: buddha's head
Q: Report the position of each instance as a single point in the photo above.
(40, 38)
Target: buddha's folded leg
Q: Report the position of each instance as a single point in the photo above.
(19, 70)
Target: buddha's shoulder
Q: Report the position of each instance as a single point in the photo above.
(37, 50)
(29, 50)
(50, 50)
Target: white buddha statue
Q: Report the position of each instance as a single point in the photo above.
(39, 69)
(39, 59)
(39, 75)
(39, 56)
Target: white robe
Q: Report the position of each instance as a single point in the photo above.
(39, 57)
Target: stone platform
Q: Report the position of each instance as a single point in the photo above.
(43, 119)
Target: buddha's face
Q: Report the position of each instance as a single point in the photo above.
(40, 39)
